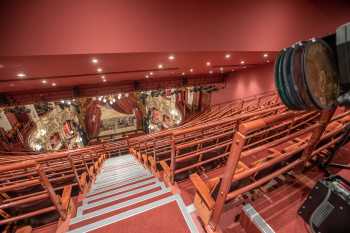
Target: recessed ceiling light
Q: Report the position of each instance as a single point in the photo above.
(146, 76)
(242, 62)
(103, 77)
(160, 66)
(244, 67)
(171, 57)
(53, 84)
(151, 73)
(21, 75)
(268, 61)
(44, 81)
(94, 60)
(191, 70)
(99, 70)
(208, 63)
(183, 73)
(104, 80)
(227, 55)
(265, 55)
(210, 71)
(221, 69)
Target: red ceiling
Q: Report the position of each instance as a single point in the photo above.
(55, 40)
(78, 70)
(46, 27)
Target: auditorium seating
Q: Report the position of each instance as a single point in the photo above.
(155, 150)
(286, 139)
(37, 184)
(225, 152)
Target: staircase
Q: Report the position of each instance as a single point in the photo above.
(127, 198)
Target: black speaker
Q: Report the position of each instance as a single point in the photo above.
(76, 91)
(327, 207)
(4, 100)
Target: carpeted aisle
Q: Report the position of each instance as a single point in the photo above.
(127, 198)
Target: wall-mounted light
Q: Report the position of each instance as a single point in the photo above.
(21, 75)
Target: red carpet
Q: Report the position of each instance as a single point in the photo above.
(163, 219)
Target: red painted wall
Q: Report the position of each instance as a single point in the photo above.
(115, 26)
(246, 83)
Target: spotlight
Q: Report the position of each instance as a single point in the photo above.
(21, 75)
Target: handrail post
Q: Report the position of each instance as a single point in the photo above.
(172, 164)
(326, 116)
(75, 172)
(53, 197)
(231, 165)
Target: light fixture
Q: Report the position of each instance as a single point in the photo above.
(21, 75)
(210, 71)
(268, 61)
(183, 73)
(104, 80)
(99, 70)
(103, 77)
(100, 98)
(222, 69)
(146, 76)
(233, 70)
(171, 57)
(44, 81)
(160, 66)
(227, 55)
(104, 100)
(114, 100)
(62, 101)
(119, 96)
(151, 73)
(94, 60)
(265, 55)
(37, 147)
(242, 62)
(53, 84)
(208, 63)
(69, 102)
(126, 94)
(191, 70)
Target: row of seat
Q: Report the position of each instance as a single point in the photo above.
(256, 145)
(40, 188)
(285, 141)
(204, 141)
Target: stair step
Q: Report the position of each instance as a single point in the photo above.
(117, 209)
(119, 185)
(114, 199)
(121, 190)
